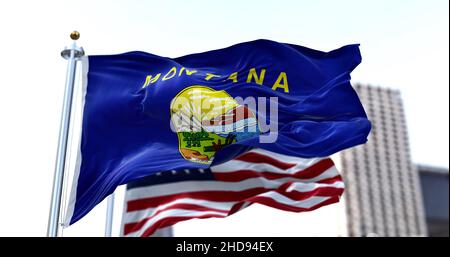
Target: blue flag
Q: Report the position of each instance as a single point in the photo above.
(145, 113)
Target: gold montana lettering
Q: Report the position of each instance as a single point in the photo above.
(253, 75)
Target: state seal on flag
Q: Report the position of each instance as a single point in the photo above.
(207, 120)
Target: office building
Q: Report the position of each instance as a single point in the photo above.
(383, 195)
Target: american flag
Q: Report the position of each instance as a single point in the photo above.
(257, 176)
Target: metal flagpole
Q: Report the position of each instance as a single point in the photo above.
(72, 54)
(109, 215)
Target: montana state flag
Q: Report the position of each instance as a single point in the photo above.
(145, 113)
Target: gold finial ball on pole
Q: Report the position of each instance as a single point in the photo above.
(75, 35)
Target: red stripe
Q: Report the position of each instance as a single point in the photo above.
(316, 169)
(235, 208)
(131, 227)
(272, 203)
(330, 180)
(308, 173)
(285, 186)
(321, 191)
(259, 158)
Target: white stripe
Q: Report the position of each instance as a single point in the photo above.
(285, 158)
(172, 213)
(329, 173)
(307, 187)
(136, 216)
(234, 165)
(307, 203)
(245, 205)
(200, 186)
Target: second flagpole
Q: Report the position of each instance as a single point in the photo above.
(109, 215)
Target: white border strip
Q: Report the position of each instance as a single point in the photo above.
(73, 193)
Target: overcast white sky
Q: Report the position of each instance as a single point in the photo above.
(404, 44)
